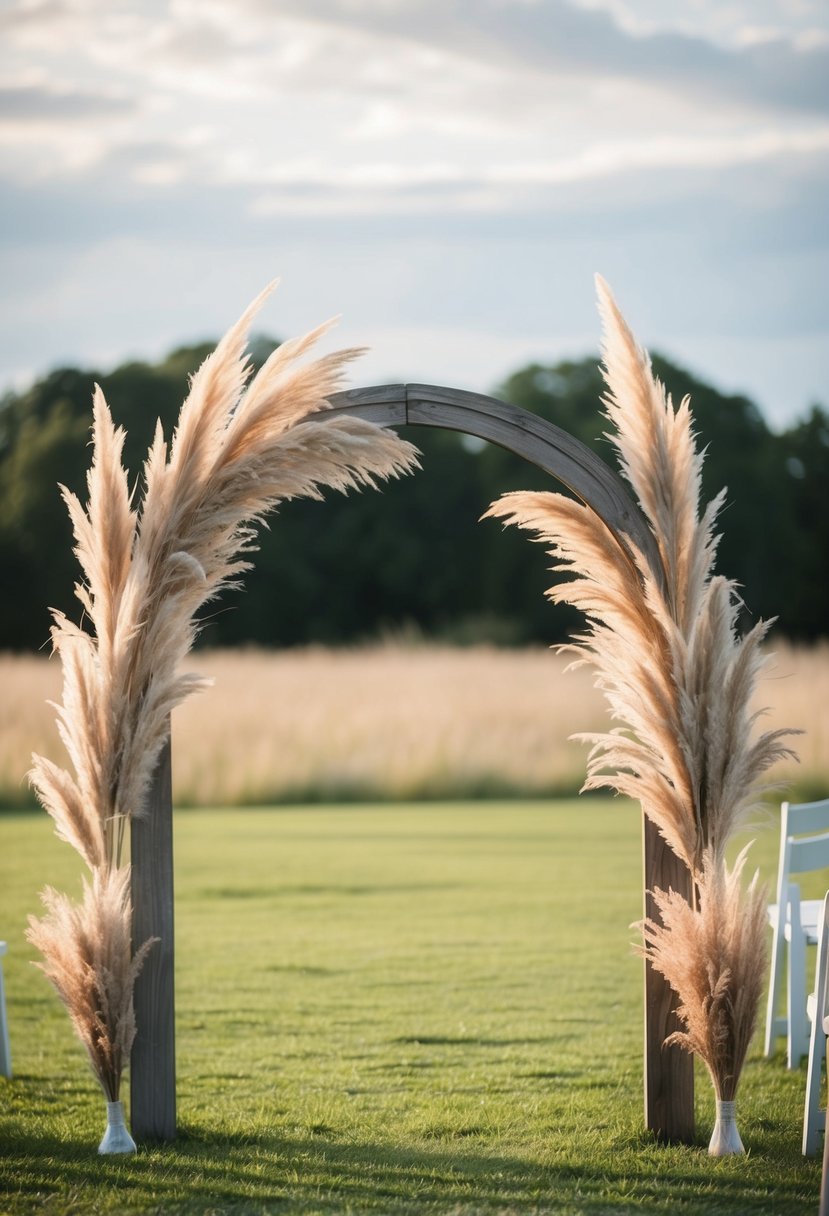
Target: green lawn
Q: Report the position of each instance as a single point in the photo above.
(391, 1009)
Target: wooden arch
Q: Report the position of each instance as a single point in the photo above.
(669, 1092)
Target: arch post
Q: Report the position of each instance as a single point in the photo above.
(153, 1056)
(669, 1071)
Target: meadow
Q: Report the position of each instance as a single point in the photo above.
(392, 722)
(413, 1008)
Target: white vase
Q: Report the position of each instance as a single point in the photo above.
(725, 1139)
(116, 1137)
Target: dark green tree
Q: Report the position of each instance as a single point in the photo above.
(802, 586)
(415, 555)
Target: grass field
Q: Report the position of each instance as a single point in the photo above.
(392, 722)
(396, 1009)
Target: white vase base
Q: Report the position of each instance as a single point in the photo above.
(116, 1137)
(725, 1139)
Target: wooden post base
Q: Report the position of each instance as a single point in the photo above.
(669, 1071)
(153, 1058)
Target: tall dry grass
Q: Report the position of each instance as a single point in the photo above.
(393, 721)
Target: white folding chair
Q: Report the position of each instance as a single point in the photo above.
(814, 1119)
(804, 846)
(5, 1048)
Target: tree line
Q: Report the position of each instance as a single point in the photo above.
(413, 560)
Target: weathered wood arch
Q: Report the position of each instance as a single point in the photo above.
(668, 1071)
(540, 442)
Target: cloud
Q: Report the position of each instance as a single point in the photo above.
(339, 104)
(401, 187)
(559, 37)
(768, 190)
(733, 24)
(33, 14)
(35, 103)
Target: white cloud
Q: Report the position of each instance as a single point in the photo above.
(441, 92)
(33, 103)
(728, 24)
(398, 187)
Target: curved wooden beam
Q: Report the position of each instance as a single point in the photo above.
(547, 446)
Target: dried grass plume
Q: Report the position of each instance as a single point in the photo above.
(241, 446)
(664, 641)
(678, 676)
(89, 960)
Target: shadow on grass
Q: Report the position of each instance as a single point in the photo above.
(284, 891)
(321, 1171)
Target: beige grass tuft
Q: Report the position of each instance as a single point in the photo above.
(241, 446)
(89, 960)
(713, 956)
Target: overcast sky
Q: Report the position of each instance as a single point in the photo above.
(446, 174)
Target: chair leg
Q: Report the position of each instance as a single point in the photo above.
(823, 1209)
(774, 1024)
(814, 1119)
(797, 1039)
(5, 1047)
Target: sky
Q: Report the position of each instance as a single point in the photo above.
(447, 176)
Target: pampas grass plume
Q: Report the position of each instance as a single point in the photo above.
(678, 678)
(663, 639)
(242, 445)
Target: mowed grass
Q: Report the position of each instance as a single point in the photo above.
(397, 1009)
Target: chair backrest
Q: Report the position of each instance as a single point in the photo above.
(805, 818)
(809, 853)
(822, 967)
(804, 841)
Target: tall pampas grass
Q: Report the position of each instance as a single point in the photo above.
(241, 446)
(678, 677)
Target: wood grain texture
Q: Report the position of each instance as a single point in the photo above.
(669, 1071)
(153, 1058)
(547, 446)
(383, 404)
